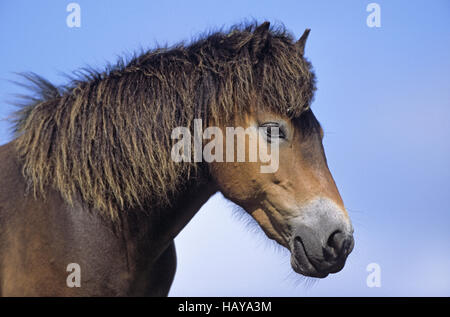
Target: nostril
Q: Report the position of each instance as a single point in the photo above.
(331, 250)
(335, 240)
(338, 244)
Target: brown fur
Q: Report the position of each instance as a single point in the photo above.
(106, 137)
(103, 144)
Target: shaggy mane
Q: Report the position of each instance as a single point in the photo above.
(106, 136)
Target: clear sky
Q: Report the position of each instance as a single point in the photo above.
(384, 101)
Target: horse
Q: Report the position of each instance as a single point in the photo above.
(88, 180)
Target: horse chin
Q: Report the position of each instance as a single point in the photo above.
(304, 267)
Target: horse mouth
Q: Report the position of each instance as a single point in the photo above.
(313, 265)
(302, 264)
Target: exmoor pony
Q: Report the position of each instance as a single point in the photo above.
(89, 178)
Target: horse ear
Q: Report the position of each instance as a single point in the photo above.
(262, 29)
(302, 41)
(260, 35)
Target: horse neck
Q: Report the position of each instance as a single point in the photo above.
(161, 226)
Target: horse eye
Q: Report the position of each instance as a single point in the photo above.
(273, 130)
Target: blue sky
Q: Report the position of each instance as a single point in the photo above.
(384, 101)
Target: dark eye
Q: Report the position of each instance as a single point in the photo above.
(273, 130)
